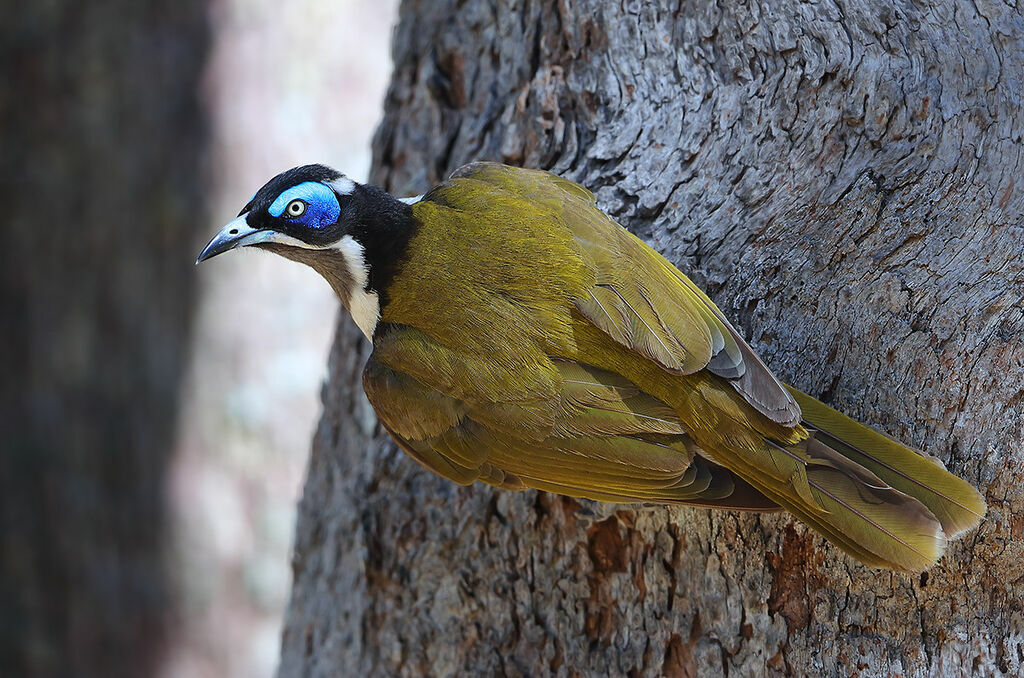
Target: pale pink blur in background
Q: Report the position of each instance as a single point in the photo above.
(287, 84)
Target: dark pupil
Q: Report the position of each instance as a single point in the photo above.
(296, 207)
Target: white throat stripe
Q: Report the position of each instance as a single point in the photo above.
(363, 305)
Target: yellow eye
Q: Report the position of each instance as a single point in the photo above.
(296, 208)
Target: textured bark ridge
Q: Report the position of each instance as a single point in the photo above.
(846, 181)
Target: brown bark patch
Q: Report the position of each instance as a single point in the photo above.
(609, 553)
(606, 547)
(679, 661)
(1017, 527)
(792, 571)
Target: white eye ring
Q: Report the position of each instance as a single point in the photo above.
(296, 208)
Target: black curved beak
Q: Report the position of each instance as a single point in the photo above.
(237, 233)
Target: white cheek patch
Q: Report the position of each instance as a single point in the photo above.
(411, 201)
(364, 306)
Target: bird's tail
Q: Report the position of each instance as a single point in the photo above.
(878, 500)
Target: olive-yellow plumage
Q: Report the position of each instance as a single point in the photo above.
(526, 340)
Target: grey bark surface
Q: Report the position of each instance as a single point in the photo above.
(101, 194)
(845, 180)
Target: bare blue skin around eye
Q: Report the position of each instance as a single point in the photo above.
(322, 208)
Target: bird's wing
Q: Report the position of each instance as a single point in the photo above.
(640, 299)
(597, 436)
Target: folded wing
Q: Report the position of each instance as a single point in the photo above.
(598, 437)
(640, 299)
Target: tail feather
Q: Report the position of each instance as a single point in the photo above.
(892, 525)
(876, 499)
(957, 506)
(854, 509)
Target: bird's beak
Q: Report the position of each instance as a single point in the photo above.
(238, 233)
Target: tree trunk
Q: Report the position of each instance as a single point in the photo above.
(845, 180)
(101, 197)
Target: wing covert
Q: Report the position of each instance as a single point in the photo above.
(640, 300)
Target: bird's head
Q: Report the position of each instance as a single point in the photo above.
(350, 233)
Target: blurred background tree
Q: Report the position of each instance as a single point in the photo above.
(101, 184)
(155, 423)
(285, 84)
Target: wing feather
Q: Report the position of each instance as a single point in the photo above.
(640, 300)
(601, 437)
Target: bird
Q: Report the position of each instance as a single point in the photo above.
(523, 338)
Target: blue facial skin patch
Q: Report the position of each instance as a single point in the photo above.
(322, 208)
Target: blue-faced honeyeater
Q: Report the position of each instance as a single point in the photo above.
(523, 338)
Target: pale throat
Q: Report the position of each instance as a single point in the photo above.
(362, 304)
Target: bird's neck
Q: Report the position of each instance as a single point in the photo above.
(362, 264)
(384, 225)
(373, 253)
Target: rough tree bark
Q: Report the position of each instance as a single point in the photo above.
(845, 180)
(101, 197)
